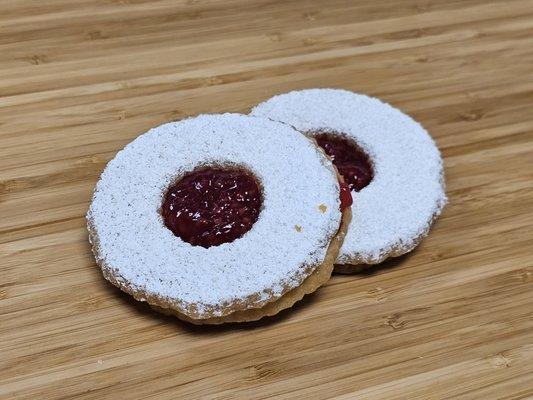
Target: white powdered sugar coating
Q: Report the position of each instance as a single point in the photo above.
(133, 245)
(396, 209)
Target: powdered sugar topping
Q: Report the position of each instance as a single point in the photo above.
(407, 191)
(136, 248)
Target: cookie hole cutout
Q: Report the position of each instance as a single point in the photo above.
(212, 205)
(353, 164)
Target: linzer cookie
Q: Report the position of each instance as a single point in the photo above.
(218, 218)
(390, 163)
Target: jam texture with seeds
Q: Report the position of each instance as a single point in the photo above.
(212, 205)
(351, 162)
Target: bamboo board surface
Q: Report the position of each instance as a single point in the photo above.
(80, 79)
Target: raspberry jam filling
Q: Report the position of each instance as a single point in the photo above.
(351, 162)
(212, 205)
(346, 196)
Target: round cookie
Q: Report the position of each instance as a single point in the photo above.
(398, 183)
(280, 241)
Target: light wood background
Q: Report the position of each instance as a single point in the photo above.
(80, 79)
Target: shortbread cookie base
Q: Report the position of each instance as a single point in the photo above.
(320, 275)
(137, 253)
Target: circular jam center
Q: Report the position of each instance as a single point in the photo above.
(212, 205)
(351, 162)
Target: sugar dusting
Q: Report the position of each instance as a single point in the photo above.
(407, 192)
(138, 251)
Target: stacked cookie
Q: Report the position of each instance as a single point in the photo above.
(230, 218)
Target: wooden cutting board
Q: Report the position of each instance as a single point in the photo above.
(80, 79)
